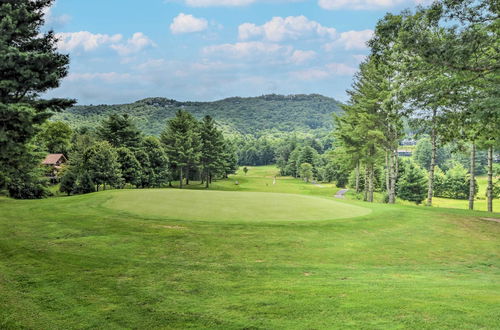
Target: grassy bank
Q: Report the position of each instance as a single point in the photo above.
(84, 262)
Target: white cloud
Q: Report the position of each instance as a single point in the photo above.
(54, 20)
(365, 4)
(341, 69)
(351, 40)
(279, 28)
(329, 70)
(183, 23)
(69, 41)
(224, 3)
(301, 56)
(253, 49)
(109, 77)
(138, 42)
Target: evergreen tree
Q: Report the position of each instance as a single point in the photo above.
(229, 161)
(129, 166)
(68, 181)
(100, 161)
(157, 162)
(29, 65)
(182, 143)
(120, 131)
(412, 185)
(211, 150)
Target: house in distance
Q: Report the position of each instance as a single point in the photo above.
(53, 164)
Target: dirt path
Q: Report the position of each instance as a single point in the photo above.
(341, 193)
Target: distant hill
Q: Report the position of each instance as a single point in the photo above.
(251, 115)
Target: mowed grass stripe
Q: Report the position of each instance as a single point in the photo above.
(229, 206)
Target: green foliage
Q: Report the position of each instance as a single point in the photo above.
(211, 148)
(412, 185)
(181, 141)
(55, 137)
(439, 182)
(130, 168)
(456, 183)
(156, 162)
(84, 183)
(245, 170)
(422, 154)
(120, 131)
(29, 65)
(68, 181)
(100, 161)
(255, 115)
(28, 183)
(306, 171)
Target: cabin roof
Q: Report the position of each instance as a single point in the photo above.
(53, 159)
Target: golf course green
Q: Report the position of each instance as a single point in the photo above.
(228, 259)
(230, 206)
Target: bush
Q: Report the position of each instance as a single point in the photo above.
(29, 186)
(412, 185)
(84, 184)
(456, 183)
(68, 182)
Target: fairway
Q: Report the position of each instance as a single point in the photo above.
(247, 256)
(227, 206)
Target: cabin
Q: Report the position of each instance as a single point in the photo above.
(53, 163)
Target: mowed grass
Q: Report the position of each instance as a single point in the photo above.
(75, 262)
(230, 206)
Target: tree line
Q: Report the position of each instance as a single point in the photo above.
(118, 155)
(437, 69)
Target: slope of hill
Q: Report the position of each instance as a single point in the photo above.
(253, 115)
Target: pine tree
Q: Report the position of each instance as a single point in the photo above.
(211, 150)
(129, 166)
(412, 184)
(120, 131)
(68, 181)
(158, 162)
(29, 65)
(182, 143)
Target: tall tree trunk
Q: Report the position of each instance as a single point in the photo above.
(430, 185)
(180, 177)
(393, 175)
(357, 176)
(365, 197)
(370, 184)
(207, 174)
(387, 173)
(472, 180)
(187, 175)
(489, 191)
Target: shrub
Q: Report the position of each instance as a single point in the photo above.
(412, 185)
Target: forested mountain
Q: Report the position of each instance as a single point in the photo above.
(253, 115)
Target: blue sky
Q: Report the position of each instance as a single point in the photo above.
(202, 50)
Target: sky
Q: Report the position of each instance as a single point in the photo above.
(122, 51)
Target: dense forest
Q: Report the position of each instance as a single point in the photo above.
(252, 115)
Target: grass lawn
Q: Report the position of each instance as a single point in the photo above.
(155, 259)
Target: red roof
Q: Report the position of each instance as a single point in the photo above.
(53, 159)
